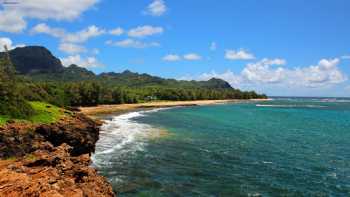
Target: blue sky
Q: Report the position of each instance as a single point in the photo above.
(277, 47)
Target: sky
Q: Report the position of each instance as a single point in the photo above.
(281, 48)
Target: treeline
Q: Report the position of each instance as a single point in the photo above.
(90, 93)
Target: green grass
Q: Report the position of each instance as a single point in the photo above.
(44, 114)
(3, 119)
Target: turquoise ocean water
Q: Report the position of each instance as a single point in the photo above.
(284, 147)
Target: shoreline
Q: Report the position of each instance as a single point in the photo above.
(124, 108)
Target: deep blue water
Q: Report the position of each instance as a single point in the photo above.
(284, 147)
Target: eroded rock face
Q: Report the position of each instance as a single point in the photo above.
(51, 160)
(80, 132)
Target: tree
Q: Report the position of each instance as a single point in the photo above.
(12, 103)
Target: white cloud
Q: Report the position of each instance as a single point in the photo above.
(143, 31)
(117, 31)
(192, 57)
(76, 37)
(213, 46)
(156, 8)
(131, 43)
(271, 72)
(11, 22)
(43, 28)
(84, 35)
(326, 72)
(9, 44)
(71, 48)
(238, 55)
(261, 72)
(172, 58)
(88, 62)
(5, 42)
(13, 18)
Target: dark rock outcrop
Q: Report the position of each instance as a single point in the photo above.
(78, 131)
(81, 133)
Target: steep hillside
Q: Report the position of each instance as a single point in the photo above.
(34, 59)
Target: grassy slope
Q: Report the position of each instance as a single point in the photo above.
(3, 120)
(45, 113)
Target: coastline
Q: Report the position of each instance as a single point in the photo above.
(124, 108)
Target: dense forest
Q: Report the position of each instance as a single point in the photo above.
(34, 74)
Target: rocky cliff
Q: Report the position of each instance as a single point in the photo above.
(50, 160)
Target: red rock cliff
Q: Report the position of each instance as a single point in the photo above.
(50, 160)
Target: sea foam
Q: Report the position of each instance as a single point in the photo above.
(122, 135)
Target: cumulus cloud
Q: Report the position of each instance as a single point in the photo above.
(326, 72)
(262, 72)
(271, 71)
(88, 62)
(9, 44)
(131, 43)
(117, 31)
(71, 48)
(192, 57)
(143, 31)
(238, 55)
(172, 58)
(13, 18)
(69, 42)
(43, 28)
(11, 22)
(76, 37)
(84, 35)
(156, 8)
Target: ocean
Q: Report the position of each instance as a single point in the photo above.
(282, 147)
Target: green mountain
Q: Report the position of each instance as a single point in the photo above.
(132, 79)
(34, 59)
(39, 64)
(71, 73)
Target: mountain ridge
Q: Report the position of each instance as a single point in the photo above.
(40, 64)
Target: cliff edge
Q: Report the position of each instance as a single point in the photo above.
(51, 160)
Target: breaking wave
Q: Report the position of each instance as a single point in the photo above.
(123, 136)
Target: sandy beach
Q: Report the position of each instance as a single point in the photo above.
(122, 108)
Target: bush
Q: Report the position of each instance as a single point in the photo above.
(16, 108)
